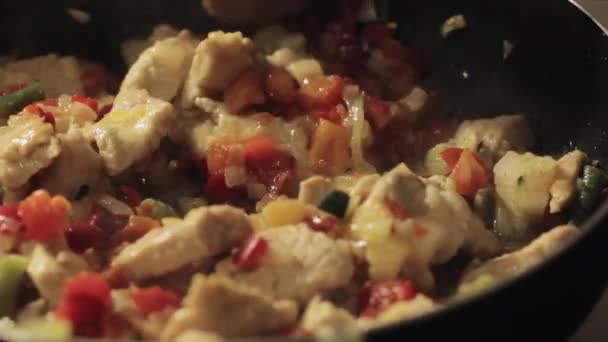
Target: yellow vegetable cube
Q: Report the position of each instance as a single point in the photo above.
(286, 211)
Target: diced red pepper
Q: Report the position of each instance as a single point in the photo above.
(468, 173)
(260, 152)
(12, 88)
(377, 296)
(217, 155)
(376, 33)
(44, 217)
(218, 192)
(85, 302)
(116, 277)
(47, 116)
(137, 227)
(396, 209)
(250, 253)
(281, 86)
(244, 92)
(335, 114)
(131, 195)
(378, 111)
(152, 299)
(10, 222)
(322, 92)
(92, 103)
(104, 110)
(81, 236)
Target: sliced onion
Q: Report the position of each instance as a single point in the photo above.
(354, 100)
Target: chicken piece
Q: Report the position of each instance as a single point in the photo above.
(518, 262)
(48, 273)
(497, 135)
(78, 165)
(218, 60)
(58, 75)
(252, 11)
(564, 188)
(401, 311)
(204, 233)
(132, 131)
(410, 223)
(162, 68)
(299, 264)
(326, 320)
(27, 145)
(223, 306)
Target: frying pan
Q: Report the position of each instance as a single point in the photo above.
(557, 74)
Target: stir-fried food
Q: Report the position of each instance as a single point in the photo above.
(292, 182)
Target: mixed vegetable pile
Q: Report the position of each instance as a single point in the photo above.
(297, 182)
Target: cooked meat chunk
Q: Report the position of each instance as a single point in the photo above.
(221, 305)
(78, 165)
(299, 264)
(58, 75)
(498, 135)
(410, 223)
(564, 188)
(252, 11)
(512, 264)
(218, 60)
(162, 68)
(27, 145)
(131, 134)
(205, 232)
(48, 273)
(325, 319)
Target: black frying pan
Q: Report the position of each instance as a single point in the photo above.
(557, 74)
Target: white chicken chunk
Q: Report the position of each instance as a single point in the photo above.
(223, 306)
(27, 145)
(218, 60)
(564, 188)
(78, 165)
(498, 135)
(204, 233)
(299, 264)
(132, 131)
(410, 223)
(57, 75)
(162, 68)
(512, 264)
(48, 273)
(325, 319)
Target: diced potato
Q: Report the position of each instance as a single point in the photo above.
(330, 148)
(386, 258)
(305, 69)
(372, 223)
(286, 211)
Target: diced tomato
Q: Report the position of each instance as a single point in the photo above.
(469, 173)
(378, 111)
(115, 276)
(81, 236)
(217, 155)
(137, 227)
(335, 114)
(92, 103)
(217, 191)
(377, 296)
(376, 33)
(260, 152)
(396, 209)
(12, 88)
(321, 92)
(44, 217)
(281, 86)
(131, 195)
(10, 222)
(244, 92)
(94, 79)
(47, 116)
(325, 223)
(85, 302)
(450, 156)
(250, 253)
(152, 299)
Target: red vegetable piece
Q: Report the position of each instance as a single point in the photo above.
(469, 174)
(281, 86)
(131, 195)
(85, 302)
(321, 92)
(335, 114)
(152, 299)
(47, 117)
(81, 236)
(10, 222)
(322, 223)
(44, 217)
(217, 191)
(450, 156)
(377, 296)
(92, 103)
(137, 227)
(250, 253)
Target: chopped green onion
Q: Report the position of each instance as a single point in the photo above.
(16, 101)
(12, 270)
(335, 203)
